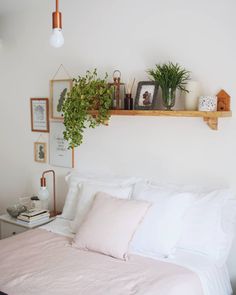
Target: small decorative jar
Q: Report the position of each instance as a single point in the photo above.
(35, 203)
(207, 103)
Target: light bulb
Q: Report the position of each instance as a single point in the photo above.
(43, 195)
(57, 39)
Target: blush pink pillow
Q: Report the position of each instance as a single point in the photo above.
(110, 225)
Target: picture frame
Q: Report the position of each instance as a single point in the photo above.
(58, 91)
(40, 152)
(39, 109)
(146, 95)
(59, 154)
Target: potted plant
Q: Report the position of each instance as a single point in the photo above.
(170, 77)
(86, 105)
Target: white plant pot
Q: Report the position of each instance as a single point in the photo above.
(192, 96)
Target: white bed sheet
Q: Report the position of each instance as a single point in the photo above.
(59, 226)
(215, 280)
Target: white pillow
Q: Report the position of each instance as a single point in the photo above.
(208, 226)
(160, 231)
(69, 209)
(86, 196)
(74, 179)
(109, 225)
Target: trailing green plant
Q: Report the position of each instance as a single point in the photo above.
(170, 76)
(88, 95)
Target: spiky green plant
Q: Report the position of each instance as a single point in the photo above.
(88, 93)
(170, 76)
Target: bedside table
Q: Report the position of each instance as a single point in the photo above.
(10, 226)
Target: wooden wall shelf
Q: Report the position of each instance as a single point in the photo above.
(211, 118)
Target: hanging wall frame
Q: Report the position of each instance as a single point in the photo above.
(58, 91)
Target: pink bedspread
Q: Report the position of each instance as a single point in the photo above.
(38, 262)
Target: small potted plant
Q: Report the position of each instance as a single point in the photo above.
(170, 77)
(86, 105)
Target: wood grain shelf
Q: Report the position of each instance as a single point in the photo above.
(211, 118)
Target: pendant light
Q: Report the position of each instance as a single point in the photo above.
(57, 39)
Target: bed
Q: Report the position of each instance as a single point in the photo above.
(178, 246)
(43, 261)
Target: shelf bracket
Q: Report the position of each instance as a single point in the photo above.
(211, 122)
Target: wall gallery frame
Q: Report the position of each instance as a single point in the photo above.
(40, 152)
(146, 95)
(60, 155)
(39, 108)
(58, 91)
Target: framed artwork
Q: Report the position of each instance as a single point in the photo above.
(40, 152)
(60, 155)
(146, 95)
(58, 91)
(39, 114)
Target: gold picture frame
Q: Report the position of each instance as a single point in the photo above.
(58, 91)
(39, 109)
(40, 152)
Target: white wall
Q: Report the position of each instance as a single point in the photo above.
(131, 35)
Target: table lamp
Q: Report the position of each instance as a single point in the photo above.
(43, 193)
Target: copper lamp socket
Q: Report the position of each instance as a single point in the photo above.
(56, 20)
(43, 181)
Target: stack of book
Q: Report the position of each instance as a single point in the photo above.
(34, 216)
